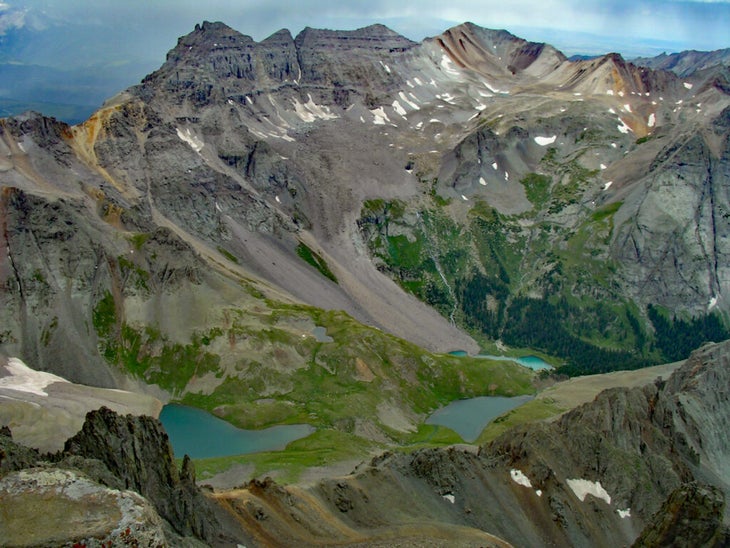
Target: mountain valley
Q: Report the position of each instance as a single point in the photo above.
(303, 230)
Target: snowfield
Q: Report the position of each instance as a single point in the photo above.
(22, 378)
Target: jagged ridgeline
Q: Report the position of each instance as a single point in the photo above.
(201, 229)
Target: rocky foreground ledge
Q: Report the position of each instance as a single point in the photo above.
(645, 465)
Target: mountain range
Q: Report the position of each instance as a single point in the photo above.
(300, 230)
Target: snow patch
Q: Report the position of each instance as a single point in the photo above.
(386, 67)
(538, 492)
(407, 101)
(544, 141)
(651, 122)
(609, 92)
(249, 100)
(611, 111)
(310, 111)
(22, 378)
(278, 201)
(624, 513)
(218, 208)
(627, 107)
(520, 478)
(506, 175)
(482, 181)
(687, 85)
(399, 109)
(712, 304)
(230, 102)
(418, 81)
(448, 66)
(380, 116)
(464, 198)
(494, 166)
(495, 90)
(621, 93)
(582, 488)
(603, 166)
(195, 143)
(623, 128)
(409, 84)
(20, 146)
(446, 97)
(607, 185)
(450, 498)
(613, 145)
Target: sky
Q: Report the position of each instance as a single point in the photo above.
(150, 27)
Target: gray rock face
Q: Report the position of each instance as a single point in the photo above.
(691, 516)
(673, 242)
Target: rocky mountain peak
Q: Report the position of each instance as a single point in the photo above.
(281, 36)
(212, 35)
(497, 52)
(376, 37)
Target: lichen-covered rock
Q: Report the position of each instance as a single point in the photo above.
(54, 507)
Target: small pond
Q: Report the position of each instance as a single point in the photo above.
(533, 362)
(201, 435)
(469, 417)
(320, 333)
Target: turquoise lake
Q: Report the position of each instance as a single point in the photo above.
(469, 417)
(201, 435)
(533, 362)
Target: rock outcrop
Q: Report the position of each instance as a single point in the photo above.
(115, 482)
(136, 450)
(691, 516)
(55, 507)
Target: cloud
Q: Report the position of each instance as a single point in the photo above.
(10, 18)
(155, 26)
